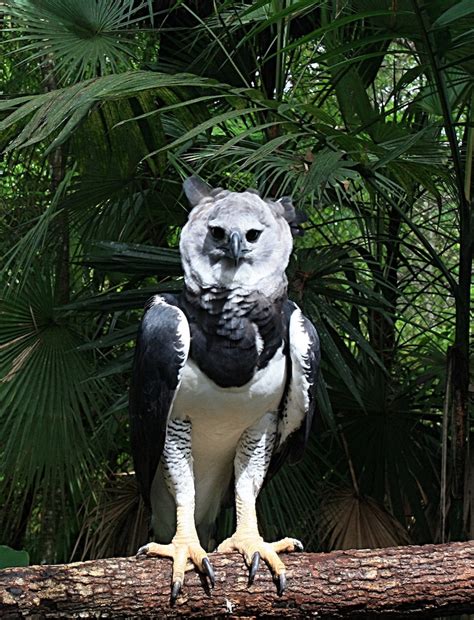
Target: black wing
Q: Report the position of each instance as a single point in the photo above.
(299, 401)
(161, 352)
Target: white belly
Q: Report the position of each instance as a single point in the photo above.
(219, 416)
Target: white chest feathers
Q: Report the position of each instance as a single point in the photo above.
(199, 398)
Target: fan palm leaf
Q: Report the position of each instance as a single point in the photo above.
(49, 405)
(81, 39)
(350, 521)
(115, 523)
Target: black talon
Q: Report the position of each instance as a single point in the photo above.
(254, 567)
(142, 551)
(298, 545)
(281, 583)
(209, 571)
(175, 590)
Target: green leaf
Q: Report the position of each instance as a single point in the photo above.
(133, 258)
(458, 11)
(331, 350)
(69, 105)
(208, 124)
(49, 404)
(9, 557)
(401, 146)
(80, 39)
(122, 300)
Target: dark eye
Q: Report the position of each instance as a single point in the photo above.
(252, 235)
(217, 232)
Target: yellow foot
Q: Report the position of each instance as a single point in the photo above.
(254, 547)
(185, 555)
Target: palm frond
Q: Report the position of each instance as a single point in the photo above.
(61, 111)
(76, 40)
(49, 404)
(114, 524)
(350, 521)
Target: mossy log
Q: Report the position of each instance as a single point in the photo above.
(426, 581)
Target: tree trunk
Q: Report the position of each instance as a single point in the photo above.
(57, 163)
(462, 291)
(426, 581)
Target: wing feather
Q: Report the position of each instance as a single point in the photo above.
(299, 401)
(161, 352)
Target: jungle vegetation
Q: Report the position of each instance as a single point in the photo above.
(363, 111)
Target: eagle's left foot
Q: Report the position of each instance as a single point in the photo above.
(254, 548)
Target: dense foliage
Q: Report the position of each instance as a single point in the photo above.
(363, 111)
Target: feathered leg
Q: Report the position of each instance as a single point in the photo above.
(185, 548)
(250, 465)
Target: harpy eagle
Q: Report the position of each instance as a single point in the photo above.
(224, 379)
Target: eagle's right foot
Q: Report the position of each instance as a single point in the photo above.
(185, 555)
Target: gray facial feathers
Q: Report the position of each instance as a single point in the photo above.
(208, 240)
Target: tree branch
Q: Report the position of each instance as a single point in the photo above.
(419, 582)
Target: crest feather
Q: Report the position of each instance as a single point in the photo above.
(293, 216)
(196, 190)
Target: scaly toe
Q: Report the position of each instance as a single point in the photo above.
(287, 545)
(227, 546)
(272, 559)
(255, 549)
(185, 555)
(154, 549)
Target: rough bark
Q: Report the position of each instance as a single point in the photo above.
(426, 581)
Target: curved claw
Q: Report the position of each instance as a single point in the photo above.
(298, 545)
(254, 567)
(175, 590)
(209, 571)
(281, 583)
(142, 551)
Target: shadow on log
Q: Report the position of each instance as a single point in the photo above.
(427, 581)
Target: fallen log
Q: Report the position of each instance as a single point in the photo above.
(427, 581)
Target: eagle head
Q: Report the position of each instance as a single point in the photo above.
(236, 239)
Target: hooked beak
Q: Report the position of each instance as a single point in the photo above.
(235, 246)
